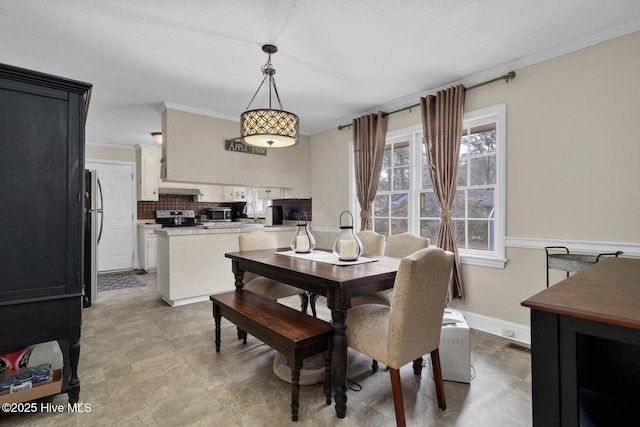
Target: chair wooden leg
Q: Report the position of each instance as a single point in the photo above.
(396, 389)
(437, 377)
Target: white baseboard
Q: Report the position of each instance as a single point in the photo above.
(185, 301)
(491, 325)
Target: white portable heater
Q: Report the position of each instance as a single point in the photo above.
(455, 348)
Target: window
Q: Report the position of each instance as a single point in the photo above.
(391, 204)
(405, 200)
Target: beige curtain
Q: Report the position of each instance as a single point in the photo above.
(369, 134)
(442, 116)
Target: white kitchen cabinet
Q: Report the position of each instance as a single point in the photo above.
(210, 193)
(148, 248)
(148, 160)
(266, 193)
(234, 194)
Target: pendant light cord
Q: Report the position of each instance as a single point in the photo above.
(267, 70)
(255, 94)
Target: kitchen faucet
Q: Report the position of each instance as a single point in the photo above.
(255, 215)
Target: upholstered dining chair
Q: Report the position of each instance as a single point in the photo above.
(372, 243)
(404, 244)
(410, 327)
(268, 288)
(397, 246)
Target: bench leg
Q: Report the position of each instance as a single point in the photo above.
(242, 335)
(217, 317)
(295, 388)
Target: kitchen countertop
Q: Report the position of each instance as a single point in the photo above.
(148, 224)
(221, 228)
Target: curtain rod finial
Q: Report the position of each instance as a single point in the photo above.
(510, 75)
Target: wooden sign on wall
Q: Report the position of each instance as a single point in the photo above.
(241, 147)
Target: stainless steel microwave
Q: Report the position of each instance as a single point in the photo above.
(219, 214)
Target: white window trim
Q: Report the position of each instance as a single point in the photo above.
(495, 260)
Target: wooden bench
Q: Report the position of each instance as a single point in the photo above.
(292, 333)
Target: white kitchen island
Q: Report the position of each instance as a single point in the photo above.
(191, 261)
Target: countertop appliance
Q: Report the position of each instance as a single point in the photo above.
(176, 218)
(93, 222)
(273, 216)
(220, 214)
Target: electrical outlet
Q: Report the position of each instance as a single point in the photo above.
(508, 333)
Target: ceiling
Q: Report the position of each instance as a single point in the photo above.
(337, 59)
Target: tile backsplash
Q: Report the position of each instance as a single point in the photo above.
(146, 210)
(291, 208)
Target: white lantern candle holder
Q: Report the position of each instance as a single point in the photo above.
(347, 246)
(302, 241)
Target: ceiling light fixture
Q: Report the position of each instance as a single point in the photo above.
(267, 127)
(157, 136)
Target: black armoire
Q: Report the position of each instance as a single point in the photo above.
(42, 120)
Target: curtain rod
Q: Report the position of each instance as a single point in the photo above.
(510, 75)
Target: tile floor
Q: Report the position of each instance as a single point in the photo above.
(144, 363)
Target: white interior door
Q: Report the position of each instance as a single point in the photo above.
(116, 247)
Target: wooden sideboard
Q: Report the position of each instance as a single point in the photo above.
(585, 346)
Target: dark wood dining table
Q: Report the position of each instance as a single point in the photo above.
(338, 283)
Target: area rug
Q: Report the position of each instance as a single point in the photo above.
(118, 280)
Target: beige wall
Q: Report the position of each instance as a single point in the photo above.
(572, 152)
(110, 152)
(195, 152)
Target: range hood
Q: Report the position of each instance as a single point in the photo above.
(180, 191)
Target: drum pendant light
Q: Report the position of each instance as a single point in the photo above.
(267, 127)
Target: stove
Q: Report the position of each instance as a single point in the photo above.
(176, 218)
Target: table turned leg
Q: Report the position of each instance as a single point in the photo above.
(339, 356)
(327, 376)
(238, 274)
(217, 317)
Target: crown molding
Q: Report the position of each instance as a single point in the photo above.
(201, 111)
(109, 145)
